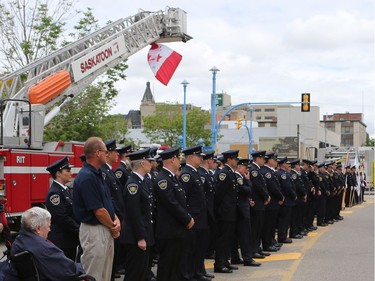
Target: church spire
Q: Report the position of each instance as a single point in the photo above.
(148, 98)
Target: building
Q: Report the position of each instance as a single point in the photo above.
(349, 125)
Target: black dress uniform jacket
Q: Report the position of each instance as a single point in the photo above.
(273, 187)
(64, 226)
(225, 200)
(172, 214)
(122, 173)
(244, 194)
(298, 183)
(192, 184)
(209, 189)
(138, 212)
(115, 189)
(259, 187)
(287, 187)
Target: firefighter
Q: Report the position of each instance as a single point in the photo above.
(59, 202)
(123, 170)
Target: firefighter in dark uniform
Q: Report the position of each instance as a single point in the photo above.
(138, 234)
(243, 227)
(261, 198)
(272, 209)
(296, 224)
(349, 182)
(341, 183)
(316, 193)
(59, 202)
(290, 197)
(324, 188)
(207, 177)
(173, 218)
(225, 208)
(332, 193)
(115, 189)
(122, 171)
(192, 261)
(310, 192)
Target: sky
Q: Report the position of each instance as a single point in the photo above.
(266, 51)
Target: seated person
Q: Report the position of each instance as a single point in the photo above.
(51, 262)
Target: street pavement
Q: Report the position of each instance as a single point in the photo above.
(343, 251)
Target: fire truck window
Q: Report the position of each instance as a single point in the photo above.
(25, 121)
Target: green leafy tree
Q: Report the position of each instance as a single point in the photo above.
(370, 141)
(166, 125)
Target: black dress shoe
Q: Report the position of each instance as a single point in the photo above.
(264, 253)
(203, 278)
(278, 245)
(209, 275)
(222, 270)
(258, 256)
(272, 249)
(322, 224)
(231, 267)
(303, 233)
(251, 263)
(329, 221)
(313, 227)
(286, 241)
(297, 236)
(237, 261)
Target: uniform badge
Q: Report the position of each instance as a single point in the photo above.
(294, 176)
(162, 184)
(240, 181)
(283, 176)
(133, 188)
(320, 179)
(254, 173)
(268, 175)
(118, 174)
(185, 177)
(103, 175)
(222, 176)
(203, 179)
(55, 199)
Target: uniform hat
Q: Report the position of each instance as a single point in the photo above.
(193, 150)
(244, 162)
(259, 153)
(209, 154)
(219, 159)
(111, 145)
(230, 154)
(124, 149)
(322, 165)
(141, 154)
(270, 155)
(295, 162)
(59, 165)
(170, 153)
(338, 165)
(314, 162)
(154, 152)
(282, 160)
(82, 157)
(305, 161)
(347, 166)
(353, 167)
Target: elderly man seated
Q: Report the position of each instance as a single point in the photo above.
(51, 262)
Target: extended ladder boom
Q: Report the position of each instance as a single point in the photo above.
(83, 61)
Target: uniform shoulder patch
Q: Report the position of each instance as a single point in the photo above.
(254, 173)
(55, 199)
(185, 177)
(283, 176)
(294, 176)
(162, 184)
(132, 188)
(268, 175)
(203, 179)
(118, 174)
(240, 181)
(222, 176)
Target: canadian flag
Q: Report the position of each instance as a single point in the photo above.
(163, 62)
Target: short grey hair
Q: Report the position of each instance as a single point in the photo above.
(34, 217)
(135, 164)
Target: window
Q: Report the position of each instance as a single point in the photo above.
(261, 125)
(269, 109)
(258, 110)
(268, 117)
(259, 117)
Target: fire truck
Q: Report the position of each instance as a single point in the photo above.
(34, 94)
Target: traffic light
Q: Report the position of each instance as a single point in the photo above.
(239, 123)
(305, 102)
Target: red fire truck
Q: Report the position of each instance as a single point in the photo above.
(33, 95)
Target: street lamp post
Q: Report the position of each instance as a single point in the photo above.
(184, 84)
(214, 70)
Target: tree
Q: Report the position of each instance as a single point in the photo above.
(370, 141)
(166, 125)
(31, 29)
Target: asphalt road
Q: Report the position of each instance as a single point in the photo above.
(343, 251)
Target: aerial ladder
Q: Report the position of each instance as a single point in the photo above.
(48, 83)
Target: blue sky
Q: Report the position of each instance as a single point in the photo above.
(266, 50)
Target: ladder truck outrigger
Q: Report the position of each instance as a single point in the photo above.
(33, 95)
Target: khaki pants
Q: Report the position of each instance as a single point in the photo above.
(98, 250)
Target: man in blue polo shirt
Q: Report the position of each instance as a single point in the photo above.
(93, 207)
